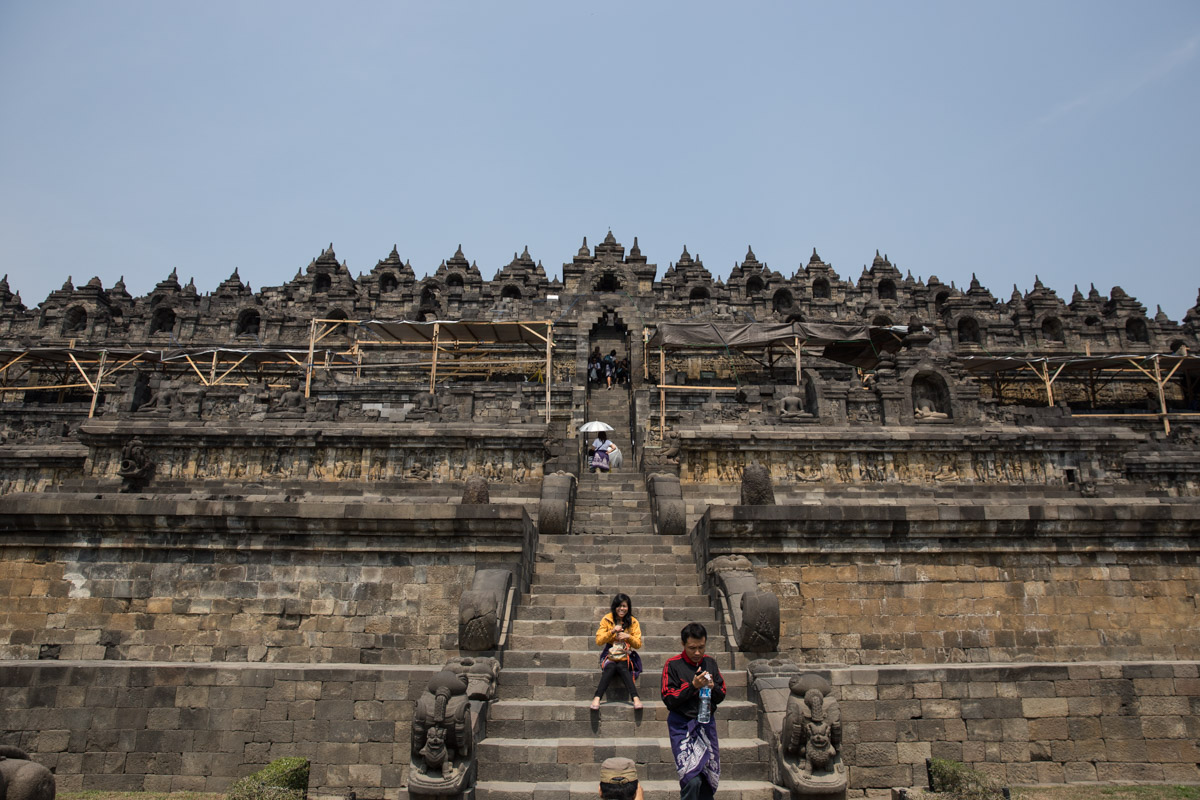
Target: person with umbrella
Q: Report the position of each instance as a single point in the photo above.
(604, 454)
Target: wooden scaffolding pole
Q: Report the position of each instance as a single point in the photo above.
(96, 388)
(308, 365)
(1160, 382)
(549, 364)
(662, 395)
(433, 364)
(1162, 395)
(662, 414)
(645, 353)
(1047, 378)
(797, 361)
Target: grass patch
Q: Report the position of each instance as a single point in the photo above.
(1096, 792)
(96, 795)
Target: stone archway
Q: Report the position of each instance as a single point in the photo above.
(610, 331)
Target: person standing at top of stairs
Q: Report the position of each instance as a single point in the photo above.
(610, 368)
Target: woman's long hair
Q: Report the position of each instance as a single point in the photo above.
(603, 437)
(621, 598)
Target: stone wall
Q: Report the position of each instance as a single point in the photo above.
(36, 467)
(322, 451)
(928, 454)
(198, 727)
(1022, 724)
(866, 582)
(252, 580)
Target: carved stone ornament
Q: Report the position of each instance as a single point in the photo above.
(481, 610)
(443, 751)
(476, 491)
(292, 403)
(791, 409)
(756, 486)
(666, 500)
(754, 614)
(810, 760)
(479, 673)
(22, 779)
(136, 468)
(557, 504)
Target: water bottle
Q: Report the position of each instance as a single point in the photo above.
(705, 702)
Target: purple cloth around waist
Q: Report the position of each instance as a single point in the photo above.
(695, 749)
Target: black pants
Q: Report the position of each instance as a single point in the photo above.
(696, 789)
(616, 668)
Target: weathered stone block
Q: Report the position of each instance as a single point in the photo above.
(1032, 707)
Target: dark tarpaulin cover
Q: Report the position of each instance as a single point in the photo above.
(849, 343)
(473, 332)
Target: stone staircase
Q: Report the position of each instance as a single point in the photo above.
(543, 741)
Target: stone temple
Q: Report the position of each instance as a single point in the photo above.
(349, 519)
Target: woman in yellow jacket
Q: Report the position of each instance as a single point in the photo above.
(621, 636)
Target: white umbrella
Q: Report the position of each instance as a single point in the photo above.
(594, 427)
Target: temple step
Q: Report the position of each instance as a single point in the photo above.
(606, 563)
(586, 790)
(571, 605)
(578, 682)
(548, 719)
(585, 630)
(578, 758)
(665, 644)
(588, 661)
(543, 740)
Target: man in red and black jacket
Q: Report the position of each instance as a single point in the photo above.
(693, 743)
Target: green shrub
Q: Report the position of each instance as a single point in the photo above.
(961, 782)
(282, 779)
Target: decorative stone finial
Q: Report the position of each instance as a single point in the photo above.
(68, 286)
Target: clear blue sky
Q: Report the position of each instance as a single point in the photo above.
(1007, 139)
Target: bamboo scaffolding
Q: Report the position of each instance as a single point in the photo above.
(438, 349)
